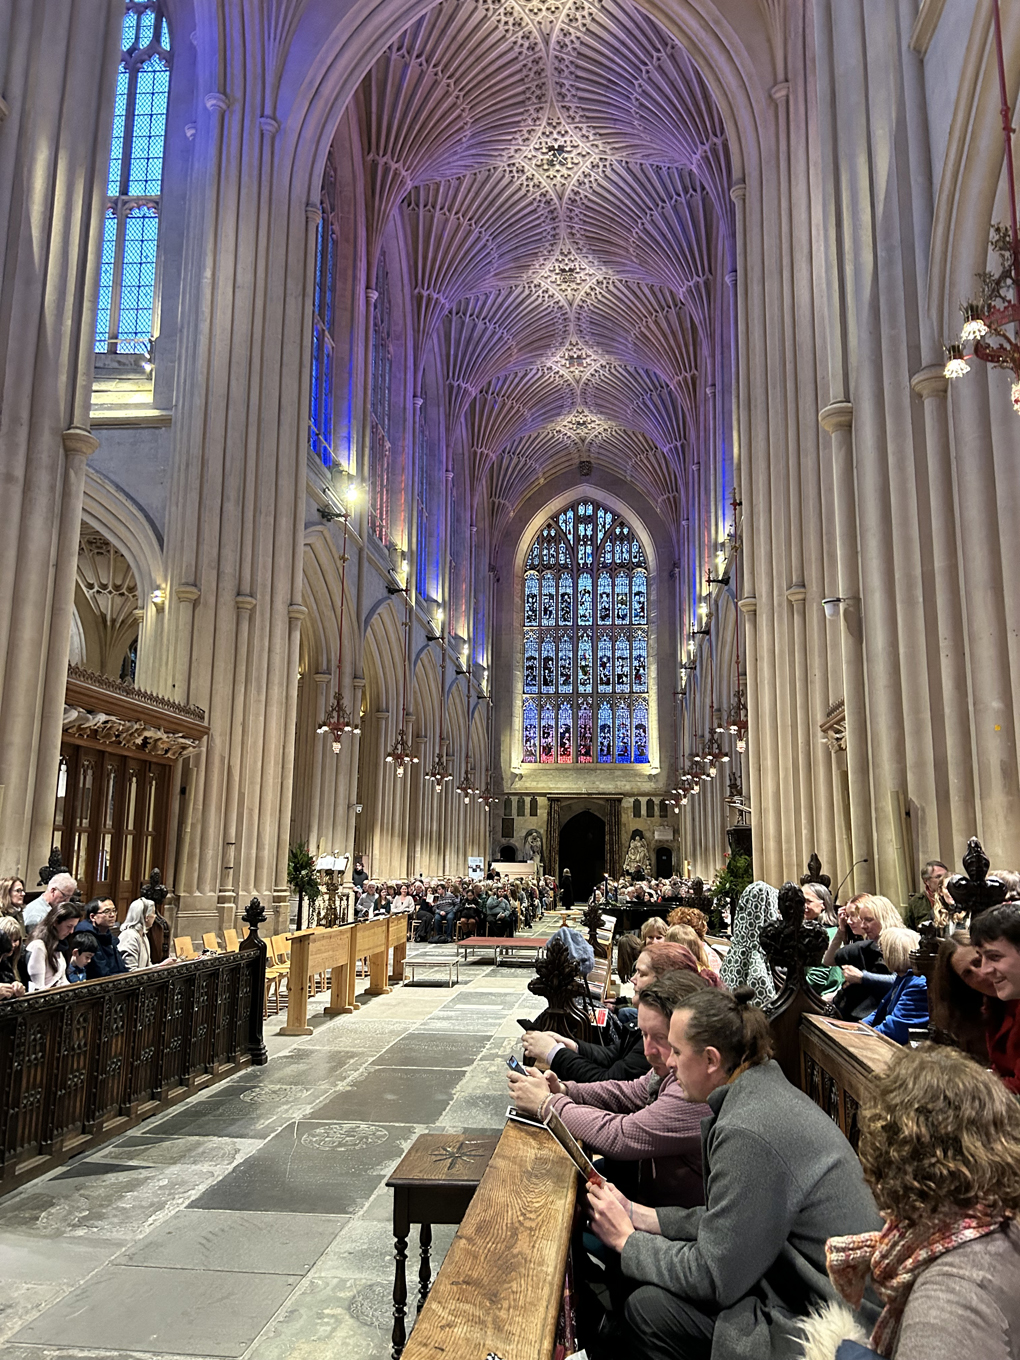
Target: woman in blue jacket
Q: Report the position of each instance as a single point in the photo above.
(905, 1005)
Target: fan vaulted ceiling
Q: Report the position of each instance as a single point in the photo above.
(563, 177)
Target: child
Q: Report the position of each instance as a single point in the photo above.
(81, 956)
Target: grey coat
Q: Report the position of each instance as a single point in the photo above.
(780, 1179)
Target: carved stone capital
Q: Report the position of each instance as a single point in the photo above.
(797, 593)
(297, 611)
(838, 415)
(244, 602)
(930, 382)
(77, 440)
(188, 593)
(738, 191)
(748, 605)
(217, 102)
(269, 125)
(780, 92)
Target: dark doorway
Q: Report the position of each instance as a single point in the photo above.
(508, 854)
(583, 852)
(663, 862)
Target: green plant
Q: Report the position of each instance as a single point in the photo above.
(731, 880)
(301, 877)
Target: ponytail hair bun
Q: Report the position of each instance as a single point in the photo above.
(743, 996)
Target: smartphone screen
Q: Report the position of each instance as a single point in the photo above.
(515, 1066)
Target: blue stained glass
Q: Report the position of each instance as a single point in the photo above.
(566, 600)
(622, 665)
(584, 614)
(330, 264)
(548, 599)
(623, 735)
(640, 651)
(106, 281)
(605, 734)
(605, 598)
(565, 747)
(117, 140)
(164, 40)
(640, 734)
(531, 663)
(547, 744)
(584, 734)
(319, 234)
(639, 597)
(138, 281)
(146, 24)
(548, 666)
(313, 422)
(636, 554)
(566, 665)
(145, 175)
(531, 599)
(128, 31)
(622, 598)
(605, 663)
(530, 742)
(584, 666)
(327, 405)
(533, 559)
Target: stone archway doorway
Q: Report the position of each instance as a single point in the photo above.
(582, 850)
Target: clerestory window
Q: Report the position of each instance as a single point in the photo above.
(127, 285)
(320, 406)
(585, 642)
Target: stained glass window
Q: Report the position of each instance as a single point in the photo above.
(127, 271)
(320, 404)
(380, 449)
(422, 533)
(586, 633)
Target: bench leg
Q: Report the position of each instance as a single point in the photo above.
(399, 1337)
(425, 1269)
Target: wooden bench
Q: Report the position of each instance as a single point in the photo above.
(502, 944)
(433, 1183)
(320, 951)
(838, 1067)
(500, 1288)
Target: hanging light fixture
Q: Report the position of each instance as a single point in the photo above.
(986, 321)
(399, 753)
(339, 720)
(438, 772)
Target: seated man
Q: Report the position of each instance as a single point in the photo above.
(498, 914)
(647, 1131)
(100, 915)
(996, 933)
(732, 1279)
(445, 912)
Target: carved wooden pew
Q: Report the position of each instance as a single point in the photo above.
(500, 1287)
(83, 1063)
(838, 1067)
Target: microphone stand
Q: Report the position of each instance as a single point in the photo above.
(835, 898)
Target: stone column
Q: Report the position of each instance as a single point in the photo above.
(54, 156)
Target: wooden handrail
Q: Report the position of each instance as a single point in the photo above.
(521, 1218)
(837, 1067)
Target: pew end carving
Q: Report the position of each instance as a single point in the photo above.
(559, 980)
(792, 946)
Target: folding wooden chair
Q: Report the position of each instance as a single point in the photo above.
(231, 941)
(211, 943)
(183, 947)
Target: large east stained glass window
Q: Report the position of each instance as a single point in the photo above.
(585, 642)
(127, 271)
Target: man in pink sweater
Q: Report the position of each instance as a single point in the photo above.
(647, 1132)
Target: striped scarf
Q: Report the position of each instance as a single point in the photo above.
(894, 1258)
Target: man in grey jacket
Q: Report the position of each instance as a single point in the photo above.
(729, 1280)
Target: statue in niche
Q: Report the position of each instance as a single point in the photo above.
(638, 862)
(533, 845)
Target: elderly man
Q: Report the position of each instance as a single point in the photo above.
(60, 889)
(921, 906)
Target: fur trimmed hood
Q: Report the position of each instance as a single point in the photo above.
(823, 1330)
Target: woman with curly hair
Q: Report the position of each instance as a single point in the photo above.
(698, 921)
(940, 1147)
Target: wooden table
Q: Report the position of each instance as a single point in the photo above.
(451, 965)
(502, 944)
(500, 1287)
(433, 1183)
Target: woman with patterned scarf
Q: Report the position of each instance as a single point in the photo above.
(940, 1147)
(745, 965)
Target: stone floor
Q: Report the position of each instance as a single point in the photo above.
(253, 1220)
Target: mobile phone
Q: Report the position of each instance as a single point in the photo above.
(515, 1066)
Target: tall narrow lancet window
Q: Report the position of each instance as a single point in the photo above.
(382, 401)
(585, 645)
(127, 286)
(320, 405)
